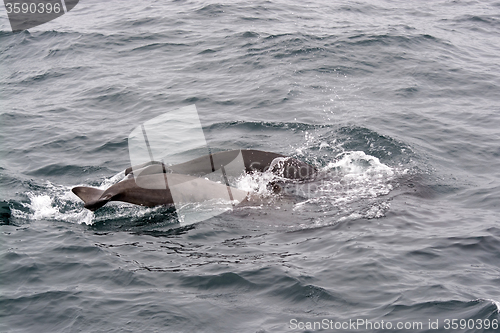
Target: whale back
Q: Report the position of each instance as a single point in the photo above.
(253, 160)
(180, 189)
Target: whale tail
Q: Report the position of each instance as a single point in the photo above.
(91, 196)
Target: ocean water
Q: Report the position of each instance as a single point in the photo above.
(398, 101)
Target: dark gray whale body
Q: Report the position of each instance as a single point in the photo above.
(185, 178)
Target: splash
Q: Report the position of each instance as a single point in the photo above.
(352, 187)
(41, 205)
(257, 184)
(58, 203)
(53, 206)
(358, 163)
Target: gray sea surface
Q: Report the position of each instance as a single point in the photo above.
(398, 101)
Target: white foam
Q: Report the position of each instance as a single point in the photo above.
(377, 210)
(48, 207)
(256, 183)
(359, 164)
(42, 207)
(353, 185)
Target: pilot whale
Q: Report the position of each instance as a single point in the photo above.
(154, 183)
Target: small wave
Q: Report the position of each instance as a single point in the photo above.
(249, 34)
(481, 19)
(478, 308)
(496, 303)
(212, 9)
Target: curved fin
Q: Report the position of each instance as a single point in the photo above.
(91, 196)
